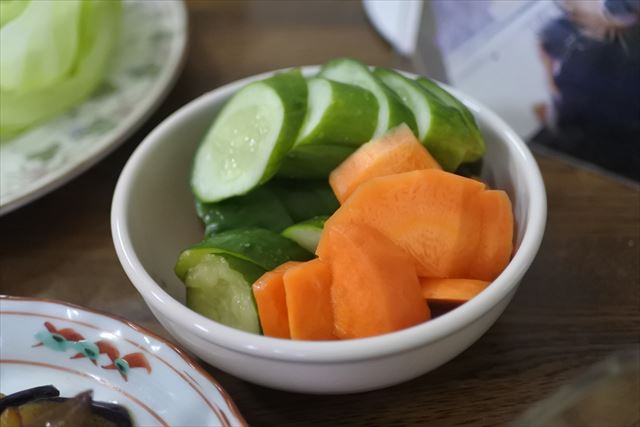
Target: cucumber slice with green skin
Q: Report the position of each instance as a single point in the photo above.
(441, 127)
(340, 117)
(307, 233)
(470, 170)
(447, 99)
(191, 257)
(218, 290)
(479, 147)
(250, 137)
(218, 273)
(391, 110)
(264, 248)
(314, 160)
(305, 199)
(338, 114)
(259, 208)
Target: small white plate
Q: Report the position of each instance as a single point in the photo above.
(75, 349)
(149, 55)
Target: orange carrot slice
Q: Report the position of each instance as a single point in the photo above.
(269, 293)
(286, 266)
(308, 292)
(496, 236)
(431, 214)
(375, 289)
(396, 151)
(451, 291)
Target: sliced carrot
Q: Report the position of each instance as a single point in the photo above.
(428, 213)
(496, 236)
(375, 289)
(308, 292)
(451, 291)
(269, 293)
(396, 151)
(287, 265)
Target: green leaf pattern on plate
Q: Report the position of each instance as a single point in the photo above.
(46, 153)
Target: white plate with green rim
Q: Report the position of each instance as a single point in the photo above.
(74, 349)
(149, 55)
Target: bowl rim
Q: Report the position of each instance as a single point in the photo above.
(164, 305)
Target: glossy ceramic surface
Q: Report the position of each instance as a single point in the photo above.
(75, 349)
(146, 62)
(148, 245)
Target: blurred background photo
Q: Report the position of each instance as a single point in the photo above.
(564, 74)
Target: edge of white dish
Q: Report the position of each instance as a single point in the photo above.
(108, 144)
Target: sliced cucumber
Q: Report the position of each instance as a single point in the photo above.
(470, 170)
(250, 137)
(305, 199)
(413, 97)
(218, 290)
(306, 233)
(338, 114)
(447, 98)
(478, 147)
(191, 257)
(391, 110)
(218, 273)
(314, 160)
(441, 127)
(258, 208)
(340, 117)
(264, 248)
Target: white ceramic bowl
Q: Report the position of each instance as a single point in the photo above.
(153, 219)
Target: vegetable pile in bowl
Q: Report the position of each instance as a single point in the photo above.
(332, 209)
(53, 54)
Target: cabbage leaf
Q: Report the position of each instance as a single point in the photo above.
(9, 9)
(53, 54)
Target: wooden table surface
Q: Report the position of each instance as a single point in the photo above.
(579, 302)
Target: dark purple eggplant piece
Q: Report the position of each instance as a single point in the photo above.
(111, 412)
(10, 417)
(24, 396)
(116, 414)
(63, 411)
(74, 412)
(42, 406)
